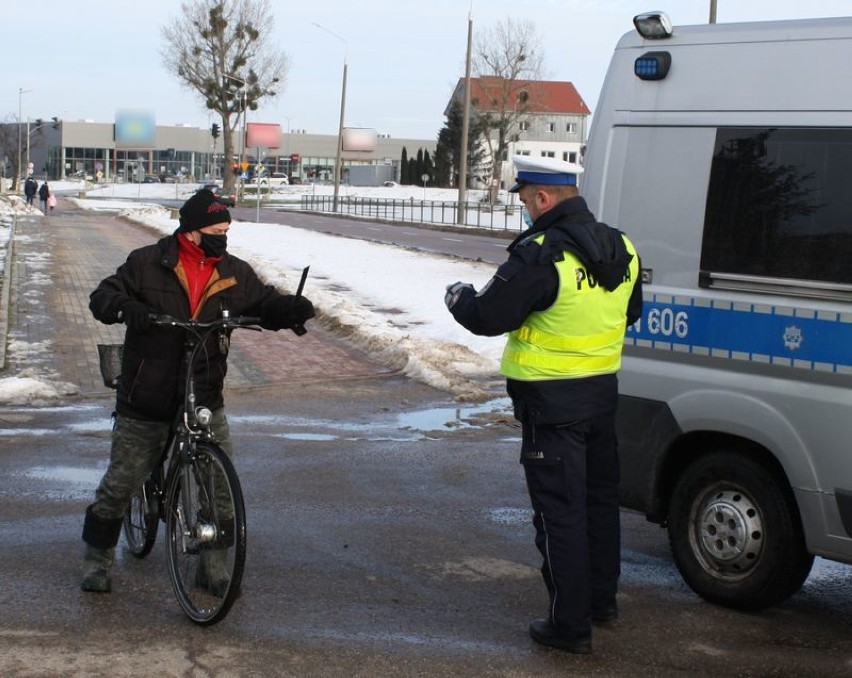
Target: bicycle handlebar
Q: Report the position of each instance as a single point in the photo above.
(229, 322)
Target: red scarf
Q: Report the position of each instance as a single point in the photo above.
(198, 268)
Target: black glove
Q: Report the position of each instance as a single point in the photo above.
(135, 315)
(454, 293)
(286, 312)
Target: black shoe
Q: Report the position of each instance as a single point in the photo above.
(542, 631)
(606, 615)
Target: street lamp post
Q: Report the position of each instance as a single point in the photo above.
(243, 132)
(21, 92)
(288, 118)
(338, 160)
(461, 215)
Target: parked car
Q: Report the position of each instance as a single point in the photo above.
(228, 198)
(151, 179)
(273, 179)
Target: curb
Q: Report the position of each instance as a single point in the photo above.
(6, 292)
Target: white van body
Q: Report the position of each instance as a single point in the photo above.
(733, 177)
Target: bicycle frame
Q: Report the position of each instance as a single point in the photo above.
(195, 491)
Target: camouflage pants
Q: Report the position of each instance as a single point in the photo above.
(136, 448)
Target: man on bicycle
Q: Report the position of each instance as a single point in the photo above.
(187, 275)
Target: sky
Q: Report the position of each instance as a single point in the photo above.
(422, 336)
(85, 61)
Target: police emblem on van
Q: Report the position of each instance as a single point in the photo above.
(792, 337)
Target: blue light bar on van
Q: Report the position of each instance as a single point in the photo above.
(652, 65)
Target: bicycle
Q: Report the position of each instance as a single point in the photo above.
(194, 490)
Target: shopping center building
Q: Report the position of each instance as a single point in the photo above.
(86, 148)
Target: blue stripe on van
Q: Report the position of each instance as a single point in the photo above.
(753, 332)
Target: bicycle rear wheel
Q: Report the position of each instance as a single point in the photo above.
(206, 527)
(141, 520)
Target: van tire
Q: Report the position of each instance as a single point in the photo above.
(735, 532)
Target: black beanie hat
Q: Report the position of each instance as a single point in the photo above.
(202, 209)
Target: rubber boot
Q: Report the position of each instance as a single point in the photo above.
(101, 536)
(96, 566)
(212, 573)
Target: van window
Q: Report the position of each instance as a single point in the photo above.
(779, 205)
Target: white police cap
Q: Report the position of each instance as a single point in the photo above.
(544, 171)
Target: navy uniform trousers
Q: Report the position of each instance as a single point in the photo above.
(572, 476)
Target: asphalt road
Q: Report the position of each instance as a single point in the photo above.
(464, 243)
(382, 542)
(467, 243)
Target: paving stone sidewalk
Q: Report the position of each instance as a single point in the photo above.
(60, 258)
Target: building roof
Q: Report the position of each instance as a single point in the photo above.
(544, 96)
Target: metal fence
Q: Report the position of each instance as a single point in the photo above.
(476, 215)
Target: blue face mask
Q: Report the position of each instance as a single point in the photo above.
(527, 217)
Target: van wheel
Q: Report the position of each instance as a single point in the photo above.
(735, 533)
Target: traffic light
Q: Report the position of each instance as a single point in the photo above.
(55, 122)
(214, 130)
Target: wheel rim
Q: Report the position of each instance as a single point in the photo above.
(206, 550)
(140, 526)
(134, 523)
(728, 534)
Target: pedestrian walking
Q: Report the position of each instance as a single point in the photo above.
(189, 274)
(565, 296)
(30, 189)
(44, 196)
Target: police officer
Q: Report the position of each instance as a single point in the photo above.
(565, 296)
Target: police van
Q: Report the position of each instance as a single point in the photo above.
(725, 153)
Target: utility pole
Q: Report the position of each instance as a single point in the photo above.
(461, 212)
(712, 11)
(338, 161)
(21, 92)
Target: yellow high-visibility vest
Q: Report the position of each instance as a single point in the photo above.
(580, 335)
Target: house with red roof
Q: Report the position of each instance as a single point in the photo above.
(542, 118)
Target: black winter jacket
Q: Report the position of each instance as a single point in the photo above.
(152, 380)
(527, 282)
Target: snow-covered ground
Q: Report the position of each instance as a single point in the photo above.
(386, 299)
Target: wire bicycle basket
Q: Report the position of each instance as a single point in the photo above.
(109, 356)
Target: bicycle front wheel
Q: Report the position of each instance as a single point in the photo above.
(141, 520)
(206, 527)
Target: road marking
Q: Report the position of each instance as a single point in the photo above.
(453, 239)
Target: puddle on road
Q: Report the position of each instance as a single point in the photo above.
(318, 437)
(405, 426)
(509, 516)
(459, 417)
(63, 483)
(66, 474)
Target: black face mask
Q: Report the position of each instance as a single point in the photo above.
(214, 245)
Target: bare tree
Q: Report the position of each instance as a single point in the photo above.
(506, 60)
(9, 150)
(224, 50)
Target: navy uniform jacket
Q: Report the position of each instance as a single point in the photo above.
(528, 282)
